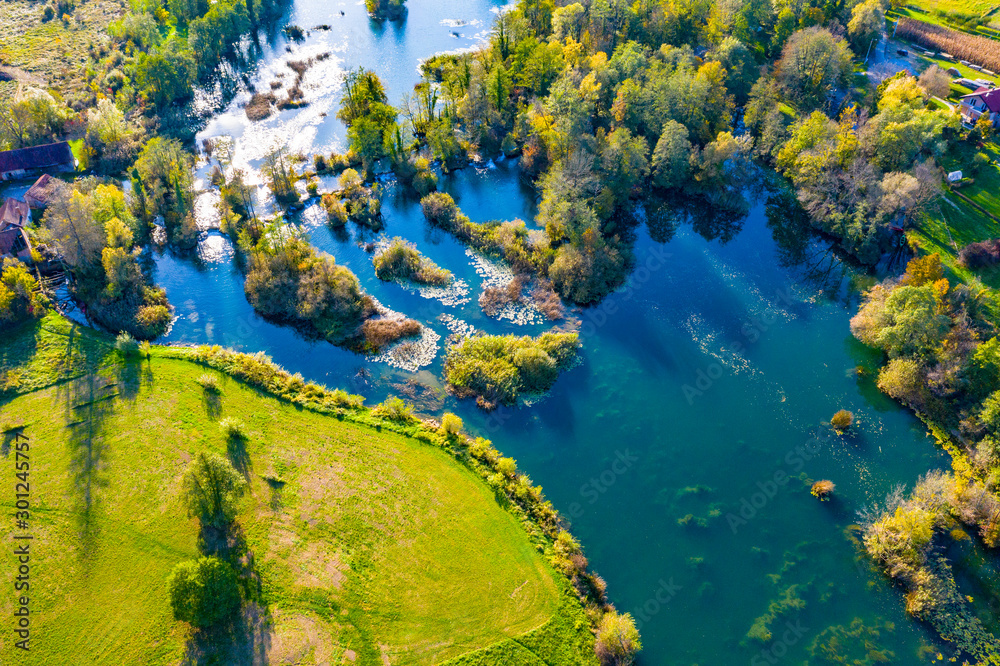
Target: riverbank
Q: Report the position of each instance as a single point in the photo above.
(374, 538)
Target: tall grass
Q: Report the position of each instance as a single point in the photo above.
(981, 51)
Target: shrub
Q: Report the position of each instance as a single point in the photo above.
(212, 487)
(377, 334)
(451, 424)
(401, 261)
(232, 428)
(204, 592)
(126, 345)
(440, 210)
(145, 349)
(842, 420)
(19, 294)
(497, 368)
(822, 489)
(980, 255)
(395, 409)
(617, 639)
(210, 383)
(335, 211)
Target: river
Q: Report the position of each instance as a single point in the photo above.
(682, 447)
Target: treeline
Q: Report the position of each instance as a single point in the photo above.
(610, 105)
(98, 238)
(943, 361)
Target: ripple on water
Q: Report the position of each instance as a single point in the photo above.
(215, 248)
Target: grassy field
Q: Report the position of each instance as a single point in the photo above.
(54, 53)
(371, 547)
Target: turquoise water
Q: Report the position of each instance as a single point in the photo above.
(679, 448)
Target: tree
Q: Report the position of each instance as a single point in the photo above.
(936, 82)
(813, 63)
(30, 121)
(211, 489)
(204, 592)
(903, 379)
(617, 639)
(19, 294)
(901, 321)
(866, 24)
(672, 156)
(164, 169)
(69, 220)
(740, 65)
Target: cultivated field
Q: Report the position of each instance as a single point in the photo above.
(978, 50)
(372, 548)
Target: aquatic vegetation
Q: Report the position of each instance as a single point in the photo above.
(496, 369)
(399, 260)
(855, 643)
(822, 489)
(787, 603)
(362, 204)
(842, 420)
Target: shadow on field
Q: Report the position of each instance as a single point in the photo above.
(87, 403)
(246, 638)
(243, 641)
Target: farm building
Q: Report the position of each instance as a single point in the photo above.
(14, 216)
(24, 161)
(43, 192)
(983, 100)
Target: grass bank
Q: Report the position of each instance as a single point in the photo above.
(375, 541)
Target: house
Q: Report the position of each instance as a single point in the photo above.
(20, 163)
(14, 242)
(43, 192)
(983, 100)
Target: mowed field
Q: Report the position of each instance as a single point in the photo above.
(371, 547)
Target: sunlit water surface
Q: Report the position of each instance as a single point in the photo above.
(682, 447)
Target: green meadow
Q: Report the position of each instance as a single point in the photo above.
(368, 546)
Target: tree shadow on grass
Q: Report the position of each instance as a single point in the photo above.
(213, 404)
(236, 449)
(242, 641)
(87, 402)
(246, 638)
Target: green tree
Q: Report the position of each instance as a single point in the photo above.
(901, 321)
(813, 63)
(204, 592)
(212, 488)
(866, 24)
(672, 156)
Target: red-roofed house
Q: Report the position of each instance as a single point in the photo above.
(14, 216)
(984, 100)
(45, 189)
